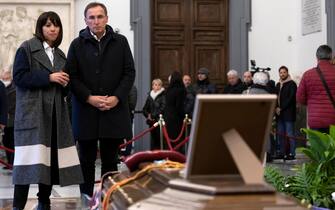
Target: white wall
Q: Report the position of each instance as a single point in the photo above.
(273, 22)
(118, 17)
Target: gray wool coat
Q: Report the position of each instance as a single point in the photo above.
(36, 98)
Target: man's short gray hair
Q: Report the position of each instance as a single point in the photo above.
(261, 78)
(324, 52)
(232, 72)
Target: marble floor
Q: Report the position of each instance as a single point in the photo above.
(61, 197)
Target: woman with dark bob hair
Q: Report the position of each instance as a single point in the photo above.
(45, 153)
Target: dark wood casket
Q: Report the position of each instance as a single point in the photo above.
(155, 191)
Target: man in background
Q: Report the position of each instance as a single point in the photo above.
(312, 92)
(247, 79)
(286, 90)
(190, 95)
(203, 84)
(235, 85)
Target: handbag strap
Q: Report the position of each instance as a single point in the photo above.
(325, 85)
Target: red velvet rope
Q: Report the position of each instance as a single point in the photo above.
(137, 137)
(6, 149)
(182, 143)
(6, 164)
(166, 139)
(166, 135)
(288, 137)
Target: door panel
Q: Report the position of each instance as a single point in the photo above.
(170, 57)
(187, 35)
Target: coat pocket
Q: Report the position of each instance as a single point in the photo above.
(26, 132)
(26, 114)
(26, 124)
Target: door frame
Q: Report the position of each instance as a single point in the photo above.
(330, 11)
(140, 14)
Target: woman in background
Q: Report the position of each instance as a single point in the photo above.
(153, 107)
(174, 109)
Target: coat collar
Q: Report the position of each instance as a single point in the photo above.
(38, 52)
(324, 63)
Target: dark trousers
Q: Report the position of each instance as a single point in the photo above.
(44, 191)
(8, 141)
(109, 149)
(21, 195)
(127, 150)
(323, 130)
(286, 128)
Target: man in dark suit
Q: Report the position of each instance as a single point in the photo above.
(102, 73)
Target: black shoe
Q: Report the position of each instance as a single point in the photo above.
(16, 208)
(43, 206)
(278, 157)
(289, 157)
(269, 158)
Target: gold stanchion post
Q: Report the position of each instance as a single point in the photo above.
(161, 123)
(187, 122)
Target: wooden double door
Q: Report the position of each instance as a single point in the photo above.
(187, 35)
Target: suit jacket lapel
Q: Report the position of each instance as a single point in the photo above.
(38, 53)
(43, 59)
(59, 60)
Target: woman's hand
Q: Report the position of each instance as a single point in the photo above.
(60, 77)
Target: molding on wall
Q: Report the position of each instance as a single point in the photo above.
(140, 24)
(239, 25)
(330, 11)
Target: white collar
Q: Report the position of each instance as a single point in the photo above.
(154, 94)
(46, 46)
(49, 51)
(95, 36)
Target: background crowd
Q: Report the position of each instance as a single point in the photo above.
(282, 144)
